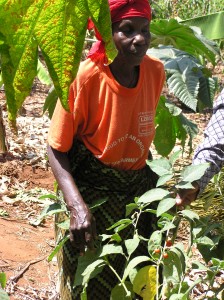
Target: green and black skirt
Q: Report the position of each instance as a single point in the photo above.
(97, 181)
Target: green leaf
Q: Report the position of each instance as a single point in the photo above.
(163, 179)
(3, 295)
(160, 166)
(52, 209)
(42, 74)
(193, 173)
(121, 227)
(58, 28)
(129, 208)
(2, 280)
(49, 210)
(165, 137)
(49, 196)
(132, 264)
(185, 87)
(189, 214)
(153, 195)
(155, 241)
(199, 266)
(184, 185)
(131, 245)
(116, 237)
(110, 249)
(118, 292)
(218, 263)
(84, 262)
(170, 32)
(176, 126)
(173, 158)
(113, 237)
(93, 270)
(216, 23)
(206, 241)
(97, 203)
(50, 102)
(120, 222)
(174, 265)
(165, 205)
(58, 247)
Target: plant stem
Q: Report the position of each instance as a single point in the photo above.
(119, 278)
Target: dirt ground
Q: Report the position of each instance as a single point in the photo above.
(24, 176)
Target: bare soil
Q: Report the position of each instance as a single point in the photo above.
(24, 176)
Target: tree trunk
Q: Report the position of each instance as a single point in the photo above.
(3, 147)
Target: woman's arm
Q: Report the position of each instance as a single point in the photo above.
(82, 222)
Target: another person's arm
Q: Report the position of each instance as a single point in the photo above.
(211, 150)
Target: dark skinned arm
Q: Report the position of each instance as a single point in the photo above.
(82, 222)
(186, 196)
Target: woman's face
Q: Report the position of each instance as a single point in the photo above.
(132, 38)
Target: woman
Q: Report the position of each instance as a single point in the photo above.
(99, 149)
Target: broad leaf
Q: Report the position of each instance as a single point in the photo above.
(84, 262)
(145, 282)
(132, 264)
(163, 179)
(155, 241)
(185, 87)
(174, 265)
(216, 23)
(131, 245)
(153, 195)
(193, 173)
(93, 270)
(190, 81)
(110, 249)
(58, 28)
(171, 125)
(189, 214)
(165, 205)
(170, 32)
(160, 166)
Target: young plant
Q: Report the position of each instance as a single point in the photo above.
(142, 273)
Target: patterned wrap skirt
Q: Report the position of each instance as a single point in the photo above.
(97, 181)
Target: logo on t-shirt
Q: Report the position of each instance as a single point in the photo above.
(145, 123)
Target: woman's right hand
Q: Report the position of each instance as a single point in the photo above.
(82, 228)
(82, 222)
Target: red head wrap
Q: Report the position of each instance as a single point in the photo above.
(119, 10)
(123, 9)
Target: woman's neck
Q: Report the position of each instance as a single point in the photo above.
(126, 76)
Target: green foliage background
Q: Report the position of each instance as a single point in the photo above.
(186, 9)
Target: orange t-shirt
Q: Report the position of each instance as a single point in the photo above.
(114, 122)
